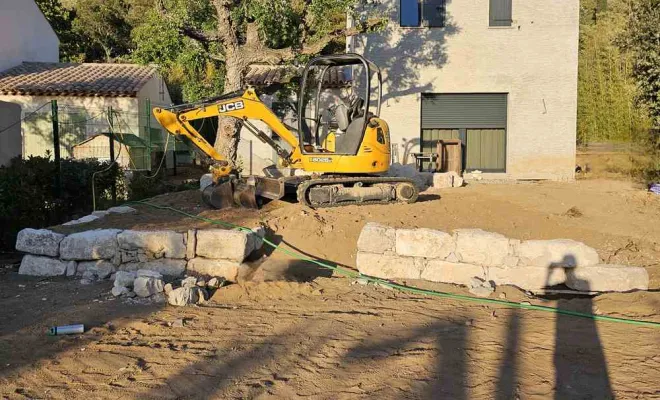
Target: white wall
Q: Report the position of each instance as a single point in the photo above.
(10, 132)
(534, 61)
(25, 34)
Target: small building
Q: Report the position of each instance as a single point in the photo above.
(91, 99)
(25, 34)
(501, 75)
(129, 150)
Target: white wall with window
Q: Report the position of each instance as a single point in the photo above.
(526, 50)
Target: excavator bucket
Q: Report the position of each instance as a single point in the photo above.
(219, 196)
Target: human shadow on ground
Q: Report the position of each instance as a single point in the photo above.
(580, 365)
(448, 377)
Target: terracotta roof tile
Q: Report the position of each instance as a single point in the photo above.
(68, 79)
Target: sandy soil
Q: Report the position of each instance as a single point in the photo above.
(294, 331)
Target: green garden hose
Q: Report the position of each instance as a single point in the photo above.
(404, 288)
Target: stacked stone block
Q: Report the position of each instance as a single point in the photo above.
(102, 252)
(437, 256)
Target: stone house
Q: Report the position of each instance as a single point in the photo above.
(501, 75)
(85, 95)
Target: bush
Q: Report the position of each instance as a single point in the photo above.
(29, 196)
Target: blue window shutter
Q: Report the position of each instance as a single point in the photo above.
(410, 13)
(500, 13)
(434, 13)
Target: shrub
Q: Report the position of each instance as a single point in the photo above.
(29, 196)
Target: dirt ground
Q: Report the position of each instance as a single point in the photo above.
(293, 330)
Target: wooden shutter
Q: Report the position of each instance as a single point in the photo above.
(500, 13)
(433, 13)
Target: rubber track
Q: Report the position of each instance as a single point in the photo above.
(304, 187)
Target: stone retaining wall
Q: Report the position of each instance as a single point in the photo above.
(97, 254)
(458, 258)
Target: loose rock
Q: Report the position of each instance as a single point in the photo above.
(124, 279)
(145, 286)
(119, 290)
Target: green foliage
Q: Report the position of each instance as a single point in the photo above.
(104, 23)
(606, 90)
(642, 38)
(61, 20)
(29, 197)
(189, 70)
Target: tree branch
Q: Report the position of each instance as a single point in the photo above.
(261, 54)
(226, 28)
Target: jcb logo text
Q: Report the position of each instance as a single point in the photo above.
(237, 105)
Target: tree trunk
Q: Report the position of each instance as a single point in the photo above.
(228, 135)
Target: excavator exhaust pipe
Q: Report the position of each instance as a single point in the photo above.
(247, 192)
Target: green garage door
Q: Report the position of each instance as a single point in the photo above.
(479, 120)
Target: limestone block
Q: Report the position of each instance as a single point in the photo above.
(559, 252)
(149, 273)
(448, 272)
(205, 181)
(101, 268)
(442, 180)
(42, 266)
(119, 290)
(39, 241)
(191, 243)
(475, 246)
(83, 220)
(607, 278)
(224, 244)
(427, 243)
(98, 244)
(121, 210)
(376, 238)
(125, 278)
(156, 244)
(214, 267)
(164, 266)
(527, 277)
(145, 286)
(389, 266)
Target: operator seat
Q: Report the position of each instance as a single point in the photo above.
(349, 142)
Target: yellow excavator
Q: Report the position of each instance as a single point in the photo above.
(341, 143)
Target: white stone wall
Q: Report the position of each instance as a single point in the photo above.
(459, 258)
(534, 61)
(99, 253)
(25, 34)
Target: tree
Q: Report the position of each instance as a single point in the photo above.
(238, 33)
(105, 24)
(643, 39)
(61, 20)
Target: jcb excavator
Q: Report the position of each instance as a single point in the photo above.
(340, 140)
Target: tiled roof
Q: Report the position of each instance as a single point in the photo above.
(68, 79)
(264, 75)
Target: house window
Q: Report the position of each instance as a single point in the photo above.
(411, 13)
(500, 13)
(417, 13)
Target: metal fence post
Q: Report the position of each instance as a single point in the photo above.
(111, 137)
(56, 147)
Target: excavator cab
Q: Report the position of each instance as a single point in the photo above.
(336, 101)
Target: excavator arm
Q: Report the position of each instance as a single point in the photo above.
(177, 121)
